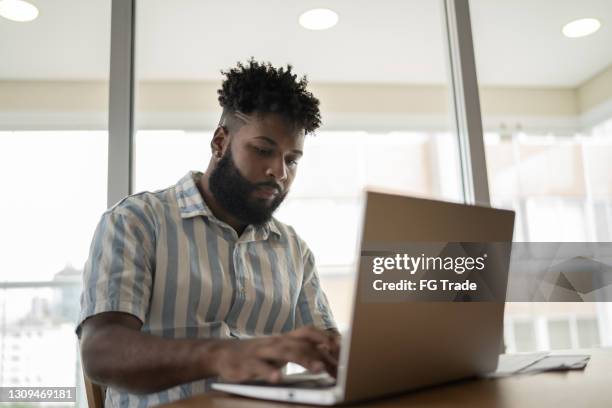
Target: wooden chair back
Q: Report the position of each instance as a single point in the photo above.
(95, 393)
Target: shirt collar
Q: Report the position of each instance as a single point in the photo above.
(191, 204)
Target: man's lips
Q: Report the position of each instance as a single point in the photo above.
(267, 192)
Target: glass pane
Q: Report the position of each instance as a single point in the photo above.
(35, 321)
(185, 149)
(547, 113)
(588, 333)
(524, 336)
(380, 75)
(559, 333)
(53, 172)
(58, 179)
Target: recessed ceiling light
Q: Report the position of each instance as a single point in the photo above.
(581, 27)
(18, 10)
(319, 19)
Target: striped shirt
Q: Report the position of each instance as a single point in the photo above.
(166, 259)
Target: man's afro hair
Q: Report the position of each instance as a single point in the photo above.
(261, 88)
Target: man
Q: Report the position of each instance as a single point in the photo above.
(199, 281)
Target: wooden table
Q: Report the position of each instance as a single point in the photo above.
(591, 387)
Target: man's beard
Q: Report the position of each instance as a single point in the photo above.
(233, 192)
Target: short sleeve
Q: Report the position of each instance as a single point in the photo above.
(118, 273)
(313, 307)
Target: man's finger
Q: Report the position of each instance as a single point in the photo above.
(322, 351)
(294, 351)
(313, 335)
(330, 355)
(264, 370)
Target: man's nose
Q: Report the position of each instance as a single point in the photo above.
(277, 168)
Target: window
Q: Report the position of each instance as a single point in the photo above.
(53, 172)
(548, 140)
(384, 124)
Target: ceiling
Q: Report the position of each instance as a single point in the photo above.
(517, 42)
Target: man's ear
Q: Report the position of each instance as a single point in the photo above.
(219, 142)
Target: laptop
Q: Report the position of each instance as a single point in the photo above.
(405, 340)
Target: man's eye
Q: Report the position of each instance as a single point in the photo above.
(263, 152)
(292, 163)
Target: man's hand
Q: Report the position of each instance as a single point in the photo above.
(335, 341)
(116, 353)
(263, 358)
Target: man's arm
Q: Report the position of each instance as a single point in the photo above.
(116, 353)
(312, 305)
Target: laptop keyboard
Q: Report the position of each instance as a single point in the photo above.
(300, 380)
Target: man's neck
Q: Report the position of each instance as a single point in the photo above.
(216, 208)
